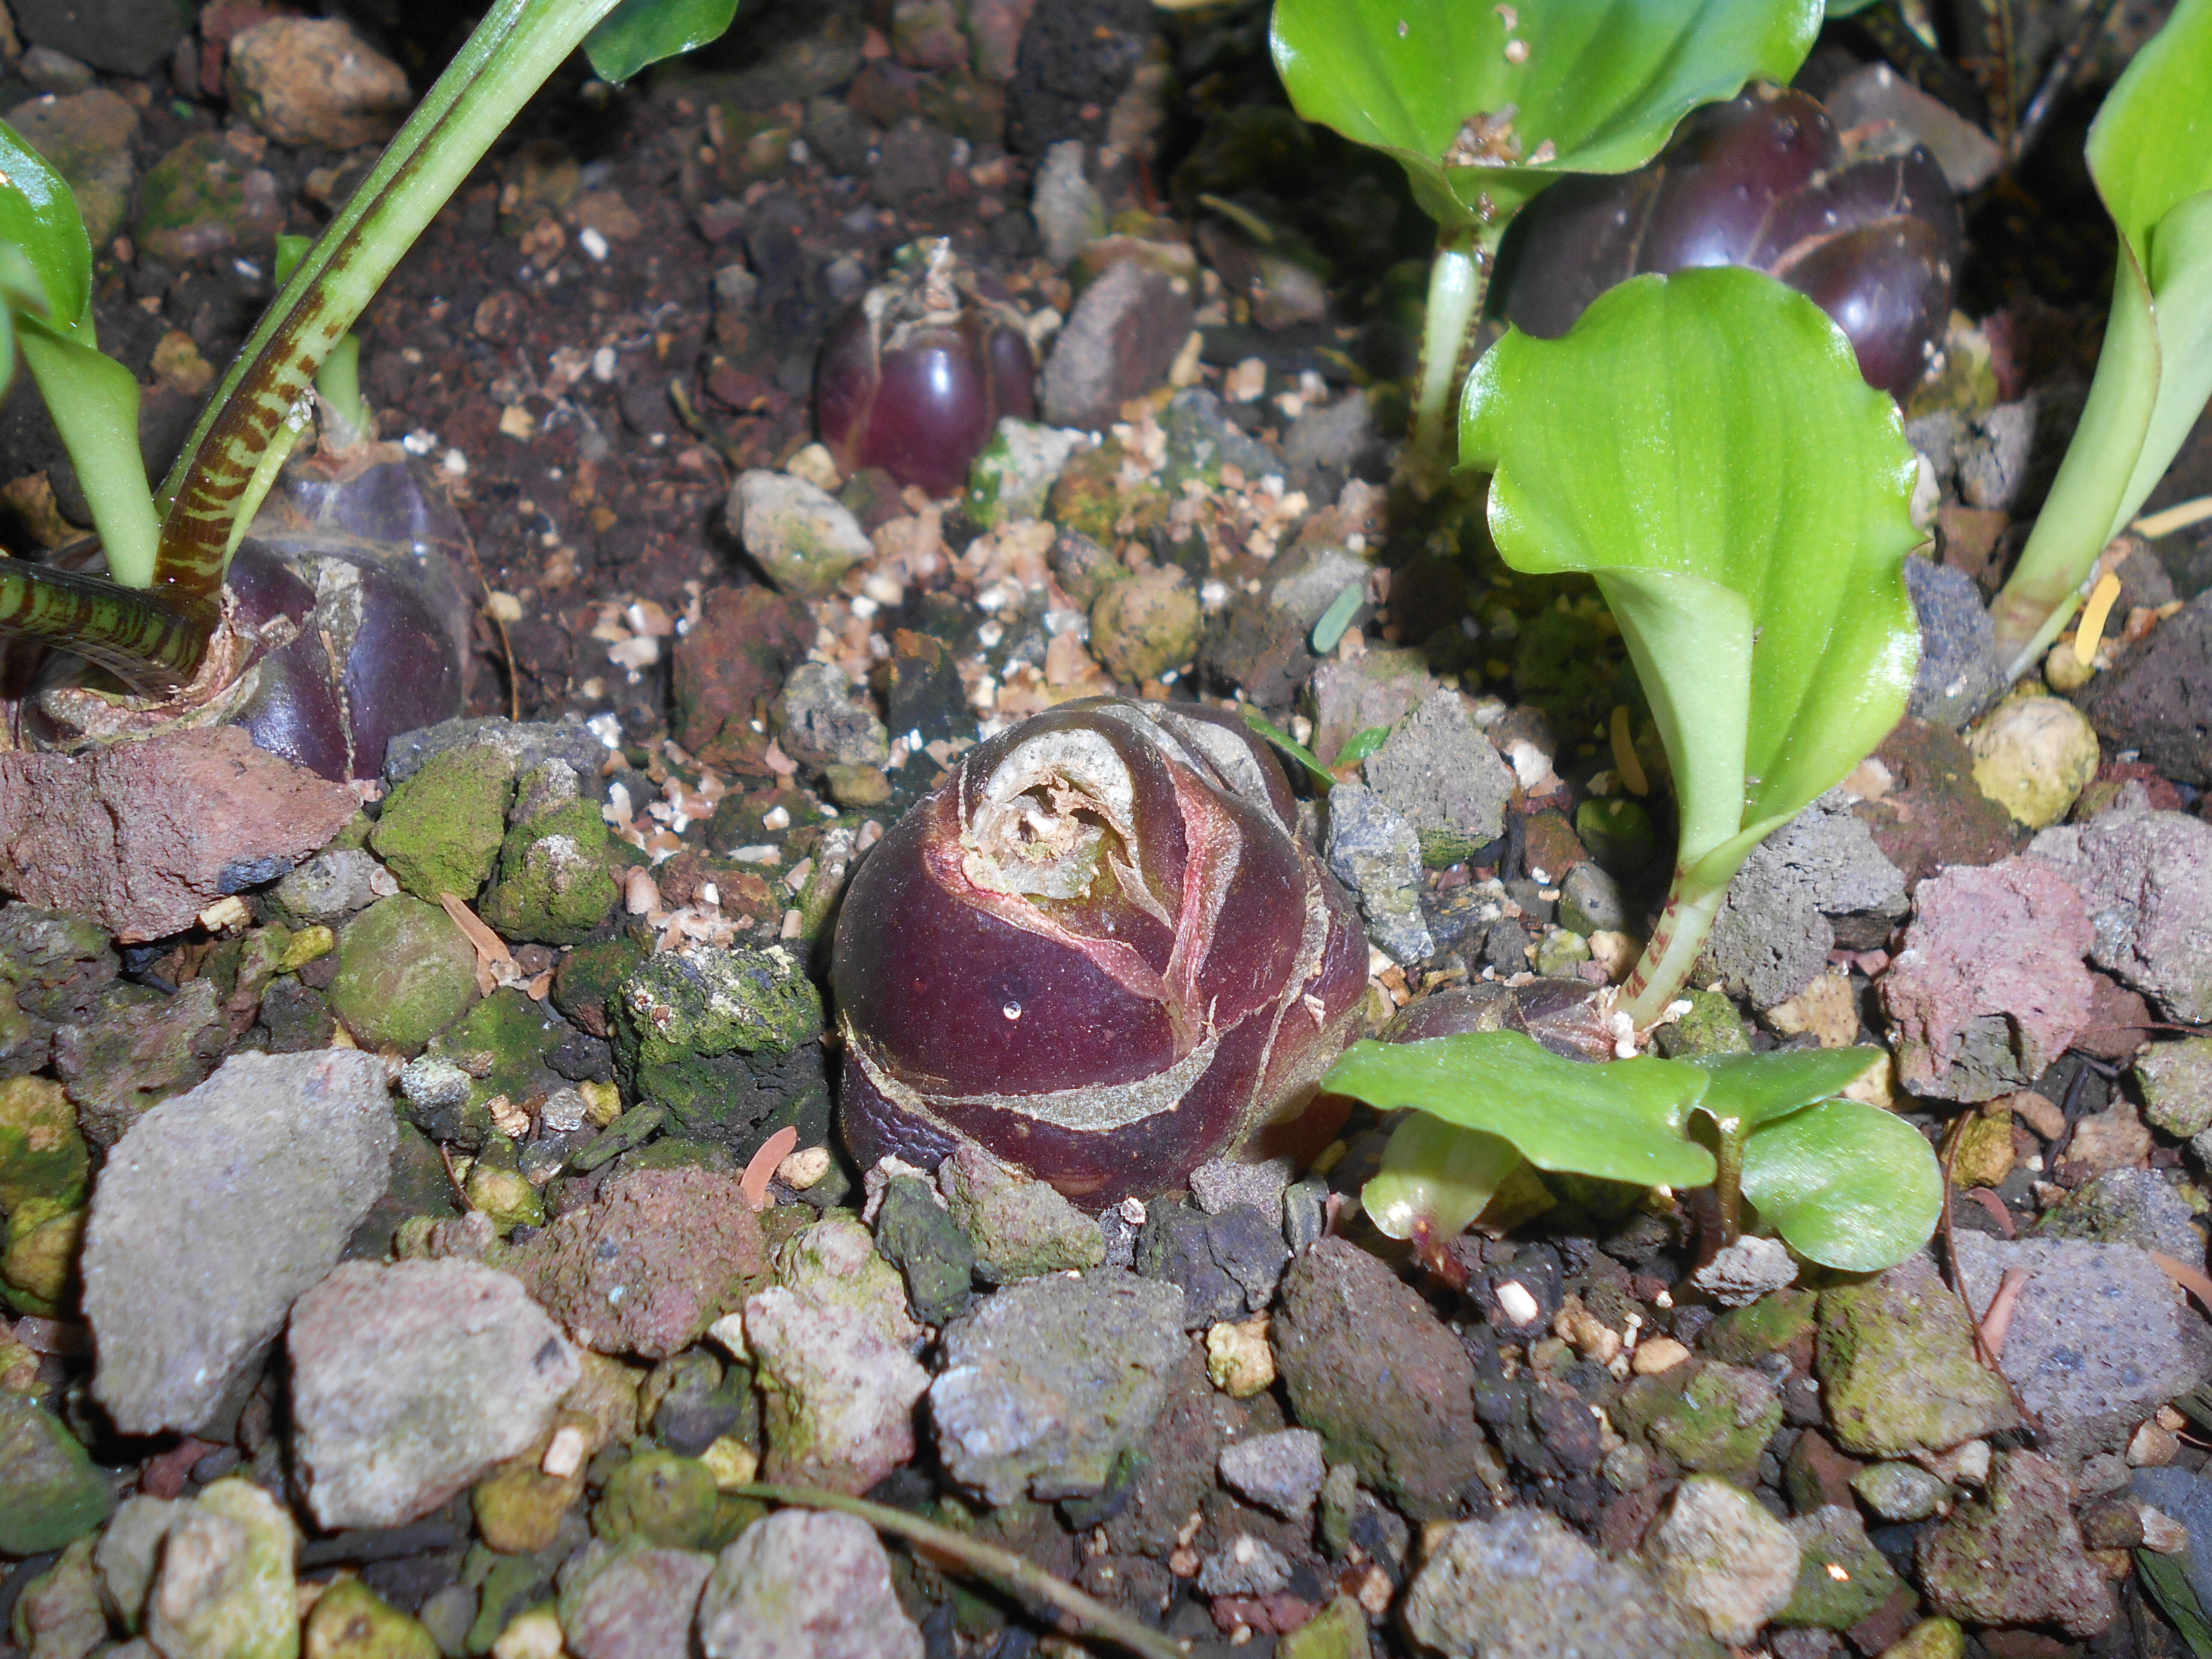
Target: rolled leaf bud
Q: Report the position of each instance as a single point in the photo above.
(1763, 181)
(1103, 951)
(914, 378)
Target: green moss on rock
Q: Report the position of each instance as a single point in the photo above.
(441, 829)
(49, 1491)
(554, 886)
(1897, 1367)
(405, 972)
(707, 1033)
(1716, 1420)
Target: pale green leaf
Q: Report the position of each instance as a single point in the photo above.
(1749, 1090)
(1846, 1184)
(642, 32)
(1438, 1176)
(1620, 1122)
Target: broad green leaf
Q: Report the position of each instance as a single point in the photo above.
(1588, 86)
(1847, 1184)
(1623, 1120)
(39, 216)
(642, 32)
(1436, 1173)
(1749, 1090)
(1362, 744)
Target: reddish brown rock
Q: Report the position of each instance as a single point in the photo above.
(660, 1257)
(143, 837)
(1933, 814)
(1991, 987)
(728, 669)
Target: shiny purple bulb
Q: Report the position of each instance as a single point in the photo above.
(1765, 181)
(914, 377)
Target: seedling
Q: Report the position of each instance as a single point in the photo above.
(1702, 445)
(2150, 154)
(152, 618)
(1485, 104)
(1843, 1183)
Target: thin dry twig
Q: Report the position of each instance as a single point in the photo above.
(2187, 1277)
(1023, 1577)
(763, 1164)
(1998, 1320)
(1983, 1349)
(493, 960)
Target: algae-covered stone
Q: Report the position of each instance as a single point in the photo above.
(1897, 1366)
(519, 1506)
(838, 1395)
(60, 1612)
(1091, 498)
(584, 982)
(1019, 1228)
(53, 969)
(657, 1498)
(1712, 1025)
(2176, 1080)
(1145, 626)
(2015, 1556)
(50, 1491)
(1899, 1491)
(42, 1156)
(224, 1590)
(352, 1621)
(2033, 755)
(139, 1047)
(1931, 1639)
(797, 532)
(1340, 1633)
(496, 1185)
(711, 1036)
(1014, 474)
(554, 885)
(86, 137)
(43, 1238)
(1982, 1155)
(914, 1231)
(206, 196)
(500, 1046)
(1743, 1335)
(405, 972)
(441, 829)
(833, 1264)
(1714, 1420)
(1841, 1577)
(1717, 1551)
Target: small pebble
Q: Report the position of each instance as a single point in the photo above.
(1659, 1353)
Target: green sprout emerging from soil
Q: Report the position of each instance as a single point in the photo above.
(2150, 154)
(1704, 446)
(152, 618)
(1843, 1183)
(1486, 104)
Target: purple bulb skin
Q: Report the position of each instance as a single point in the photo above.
(1102, 951)
(1763, 181)
(898, 388)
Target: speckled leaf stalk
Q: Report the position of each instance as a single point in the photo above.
(1103, 951)
(261, 408)
(152, 642)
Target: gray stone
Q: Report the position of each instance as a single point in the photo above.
(1245, 1565)
(1771, 939)
(529, 745)
(799, 534)
(1019, 1228)
(2015, 1556)
(121, 37)
(86, 137)
(1590, 901)
(1438, 771)
(1016, 469)
(1899, 1491)
(1717, 1551)
(411, 1381)
(1202, 441)
(805, 1585)
(2146, 879)
(2175, 1079)
(1118, 344)
(1069, 212)
(332, 886)
(1337, 434)
(1993, 457)
(839, 1393)
(2099, 1338)
(1227, 1265)
(1960, 674)
(44, 69)
(1375, 851)
(215, 1212)
(1227, 1181)
(821, 721)
(1876, 95)
(635, 1603)
(1523, 1587)
(1048, 1381)
(1282, 1471)
(2129, 1207)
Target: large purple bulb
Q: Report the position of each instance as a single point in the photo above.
(1762, 180)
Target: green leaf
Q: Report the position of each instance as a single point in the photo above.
(1623, 1120)
(1602, 82)
(39, 216)
(1436, 1175)
(1362, 744)
(642, 32)
(93, 401)
(1749, 1090)
(1849, 8)
(2166, 1580)
(1290, 745)
(1703, 445)
(1847, 1184)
